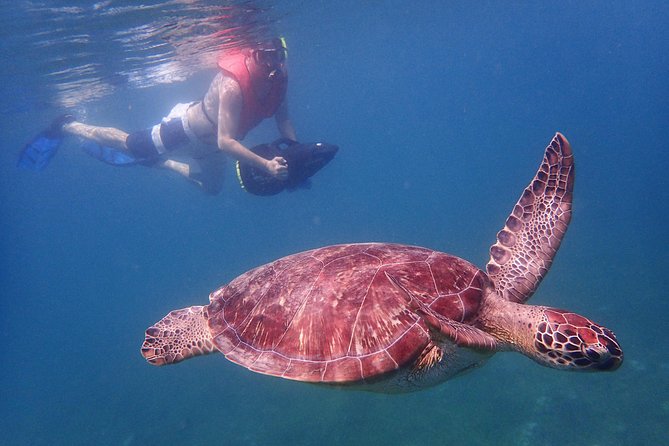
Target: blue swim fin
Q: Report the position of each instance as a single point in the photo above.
(39, 151)
(109, 155)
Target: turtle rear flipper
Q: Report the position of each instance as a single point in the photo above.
(180, 335)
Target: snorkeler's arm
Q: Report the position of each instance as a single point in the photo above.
(229, 110)
(283, 122)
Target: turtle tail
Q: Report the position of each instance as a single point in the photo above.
(180, 335)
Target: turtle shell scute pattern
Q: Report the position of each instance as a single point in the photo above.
(333, 315)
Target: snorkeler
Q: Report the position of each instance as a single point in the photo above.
(194, 138)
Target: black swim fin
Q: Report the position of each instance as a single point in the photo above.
(37, 154)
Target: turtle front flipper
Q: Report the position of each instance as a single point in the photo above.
(462, 334)
(533, 232)
(180, 335)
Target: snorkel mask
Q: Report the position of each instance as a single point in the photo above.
(272, 56)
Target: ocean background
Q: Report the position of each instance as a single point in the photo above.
(442, 111)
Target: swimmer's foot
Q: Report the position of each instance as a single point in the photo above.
(56, 127)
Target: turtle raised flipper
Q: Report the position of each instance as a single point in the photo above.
(180, 335)
(532, 234)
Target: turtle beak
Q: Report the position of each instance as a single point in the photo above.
(609, 356)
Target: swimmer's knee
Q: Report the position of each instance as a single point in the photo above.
(210, 184)
(141, 145)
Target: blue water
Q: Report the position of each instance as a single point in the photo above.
(442, 113)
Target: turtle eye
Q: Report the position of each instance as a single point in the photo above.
(599, 357)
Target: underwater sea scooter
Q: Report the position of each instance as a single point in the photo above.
(304, 160)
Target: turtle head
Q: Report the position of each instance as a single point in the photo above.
(568, 341)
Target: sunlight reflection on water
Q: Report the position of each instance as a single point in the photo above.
(88, 51)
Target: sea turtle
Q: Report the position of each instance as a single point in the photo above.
(396, 318)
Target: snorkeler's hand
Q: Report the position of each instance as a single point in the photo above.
(278, 167)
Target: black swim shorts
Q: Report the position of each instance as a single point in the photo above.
(149, 144)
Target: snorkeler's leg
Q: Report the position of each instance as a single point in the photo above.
(212, 172)
(207, 172)
(183, 169)
(105, 136)
(188, 170)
